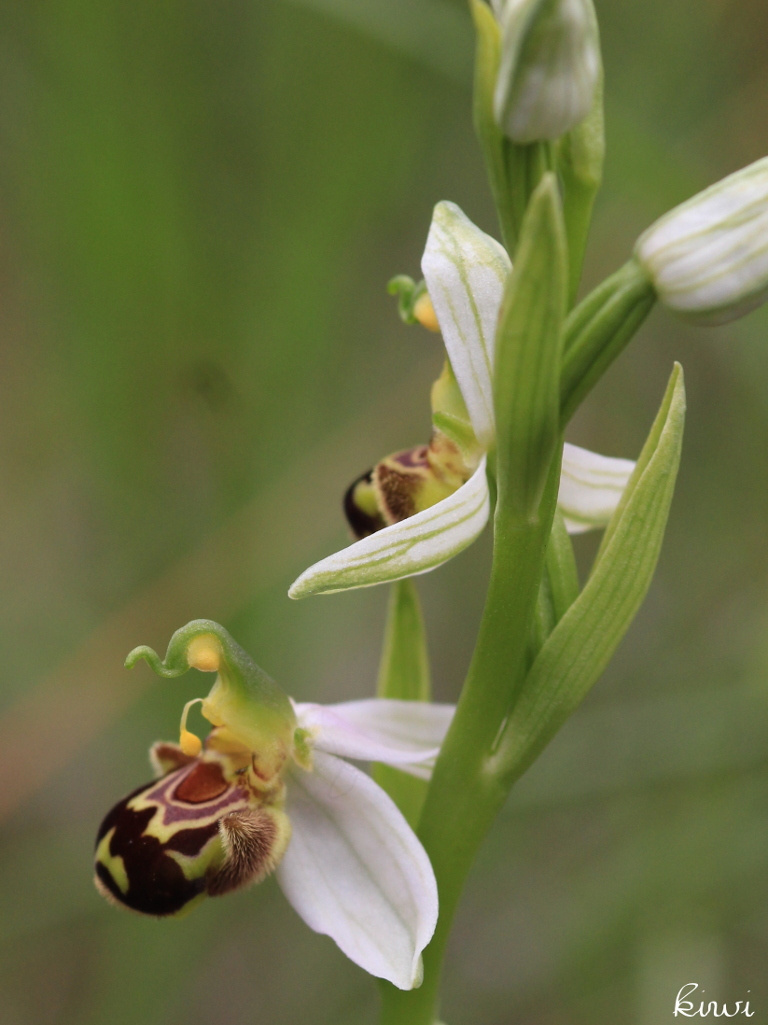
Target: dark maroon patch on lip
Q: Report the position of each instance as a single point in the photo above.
(398, 490)
(156, 882)
(202, 783)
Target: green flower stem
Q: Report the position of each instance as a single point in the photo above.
(464, 796)
(580, 157)
(597, 331)
(559, 586)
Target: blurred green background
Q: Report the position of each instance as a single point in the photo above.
(200, 205)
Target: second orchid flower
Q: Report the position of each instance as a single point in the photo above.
(421, 507)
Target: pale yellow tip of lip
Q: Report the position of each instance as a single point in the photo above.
(204, 653)
(190, 744)
(424, 312)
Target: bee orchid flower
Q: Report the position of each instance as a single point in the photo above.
(419, 508)
(269, 790)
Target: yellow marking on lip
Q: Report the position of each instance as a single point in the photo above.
(113, 862)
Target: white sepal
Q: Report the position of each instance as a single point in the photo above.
(550, 66)
(465, 271)
(591, 486)
(400, 733)
(414, 545)
(355, 871)
(708, 258)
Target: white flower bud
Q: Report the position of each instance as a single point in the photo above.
(708, 258)
(550, 65)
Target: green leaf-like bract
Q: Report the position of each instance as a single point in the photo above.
(528, 345)
(578, 649)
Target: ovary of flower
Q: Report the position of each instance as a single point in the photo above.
(465, 271)
(341, 851)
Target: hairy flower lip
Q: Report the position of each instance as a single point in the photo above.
(335, 840)
(465, 271)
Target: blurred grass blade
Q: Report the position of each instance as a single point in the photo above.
(433, 33)
(404, 675)
(579, 648)
(528, 341)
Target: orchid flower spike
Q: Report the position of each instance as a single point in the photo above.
(268, 790)
(417, 509)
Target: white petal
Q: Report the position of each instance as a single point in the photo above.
(355, 871)
(401, 733)
(590, 487)
(465, 271)
(415, 545)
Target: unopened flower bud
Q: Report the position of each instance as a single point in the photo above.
(708, 258)
(550, 66)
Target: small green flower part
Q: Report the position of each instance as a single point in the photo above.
(244, 702)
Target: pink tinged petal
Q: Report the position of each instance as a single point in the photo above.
(591, 486)
(415, 545)
(355, 871)
(405, 734)
(465, 271)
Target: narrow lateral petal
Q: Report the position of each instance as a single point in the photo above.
(465, 271)
(415, 545)
(355, 871)
(378, 729)
(590, 487)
